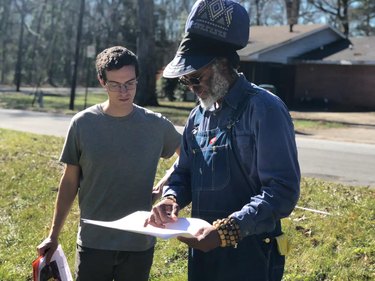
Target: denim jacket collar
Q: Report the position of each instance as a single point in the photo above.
(234, 96)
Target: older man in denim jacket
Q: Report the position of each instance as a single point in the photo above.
(238, 164)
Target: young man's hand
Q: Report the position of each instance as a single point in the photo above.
(47, 248)
(166, 211)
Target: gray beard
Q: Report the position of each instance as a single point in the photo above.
(219, 87)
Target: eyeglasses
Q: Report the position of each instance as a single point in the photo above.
(117, 87)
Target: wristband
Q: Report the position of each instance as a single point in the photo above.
(229, 232)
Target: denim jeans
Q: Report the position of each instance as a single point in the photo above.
(106, 265)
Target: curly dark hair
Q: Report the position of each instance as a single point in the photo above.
(115, 58)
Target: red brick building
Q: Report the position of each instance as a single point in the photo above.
(314, 64)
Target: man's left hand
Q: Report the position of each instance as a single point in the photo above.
(206, 239)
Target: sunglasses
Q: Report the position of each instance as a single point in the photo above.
(194, 81)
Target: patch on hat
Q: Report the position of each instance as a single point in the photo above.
(214, 12)
(222, 20)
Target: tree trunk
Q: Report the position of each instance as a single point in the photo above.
(292, 12)
(345, 18)
(257, 12)
(4, 23)
(146, 92)
(18, 72)
(37, 49)
(56, 17)
(76, 56)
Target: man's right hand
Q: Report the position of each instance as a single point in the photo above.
(47, 248)
(166, 211)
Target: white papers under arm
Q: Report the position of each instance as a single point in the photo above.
(134, 222)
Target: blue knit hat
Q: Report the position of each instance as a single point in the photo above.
(214, 28)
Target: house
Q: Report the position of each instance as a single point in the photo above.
(313, 63)
(346, 78)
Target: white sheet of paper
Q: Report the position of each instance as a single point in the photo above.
(134, 222)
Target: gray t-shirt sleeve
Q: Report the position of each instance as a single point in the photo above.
(71, 152)
(172, 139)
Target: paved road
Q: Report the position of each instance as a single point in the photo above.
(34, 122)
(352, 163)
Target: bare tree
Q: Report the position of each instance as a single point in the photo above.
(267, 12)
(258, 7)
(77, 54)
(363, 17)
(54, 59)
(146, 93)
(5, 13)
(338, 10)
(23, 11)
(36, 40)
(38, 37)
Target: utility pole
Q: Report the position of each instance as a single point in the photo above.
(76, 56)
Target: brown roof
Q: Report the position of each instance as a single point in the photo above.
(361, 50)
(265, 37)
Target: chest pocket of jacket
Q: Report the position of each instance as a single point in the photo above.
(210, 160)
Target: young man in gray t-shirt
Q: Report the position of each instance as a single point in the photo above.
(111, 154)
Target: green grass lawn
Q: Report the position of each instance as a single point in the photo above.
(340, 246)
(51, 103)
